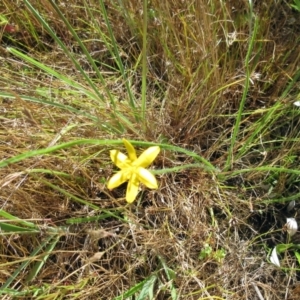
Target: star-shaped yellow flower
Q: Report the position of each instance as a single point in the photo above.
(133, 170)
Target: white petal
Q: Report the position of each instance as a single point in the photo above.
(291, 226)
(274, 258)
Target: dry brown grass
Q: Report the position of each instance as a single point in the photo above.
(195, 83)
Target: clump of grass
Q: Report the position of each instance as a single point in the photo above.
(212, 84)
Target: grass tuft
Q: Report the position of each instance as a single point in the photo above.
(213, 83)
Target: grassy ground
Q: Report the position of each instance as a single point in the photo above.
(213, 84)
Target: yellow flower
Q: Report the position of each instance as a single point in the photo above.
(133, 170)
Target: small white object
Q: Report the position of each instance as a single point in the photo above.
(274, 258)
(291, 226)
(297, 103)
(291, 205)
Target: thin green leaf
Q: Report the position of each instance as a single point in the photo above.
(38, 265)
(104, 125)
(297, 254)
(63, 46)
(148, 287)
(104, 215)
(53, 172)
(13, 229)
(8, 216)
(117, 57)
(132, 291)
(51, 72)
(263, 169)
(13, 277)
(245, 92)
(171, 275)
(73, 197)
(33, 153)
(15, 293)
(283, 247)
(144, 62)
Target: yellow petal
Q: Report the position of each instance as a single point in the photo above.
(119, 159)
(132, 189)
(147, 157)
(147, 178)
(117, 180)
(130, 150)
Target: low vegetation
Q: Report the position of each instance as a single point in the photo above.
(214, 85)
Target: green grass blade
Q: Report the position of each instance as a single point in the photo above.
(181, 168)
(171, 275)
(63, 46)
(148, 287)
(48, 150)
(73, 197)
(25, 264)
(38, 265)
(87, 54)
(51, 72)
(106, 126)
(297, 5)
(261, 169)
(144, 62)
(297, 254)
(291, 84)
(53, 172)
(117, 57)
(104, 215)
(261, 127)
(116, 115)
(132, 291)
(33, 153)
(8, 216)
(244, 96)
(7, 229)
(14, 293)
